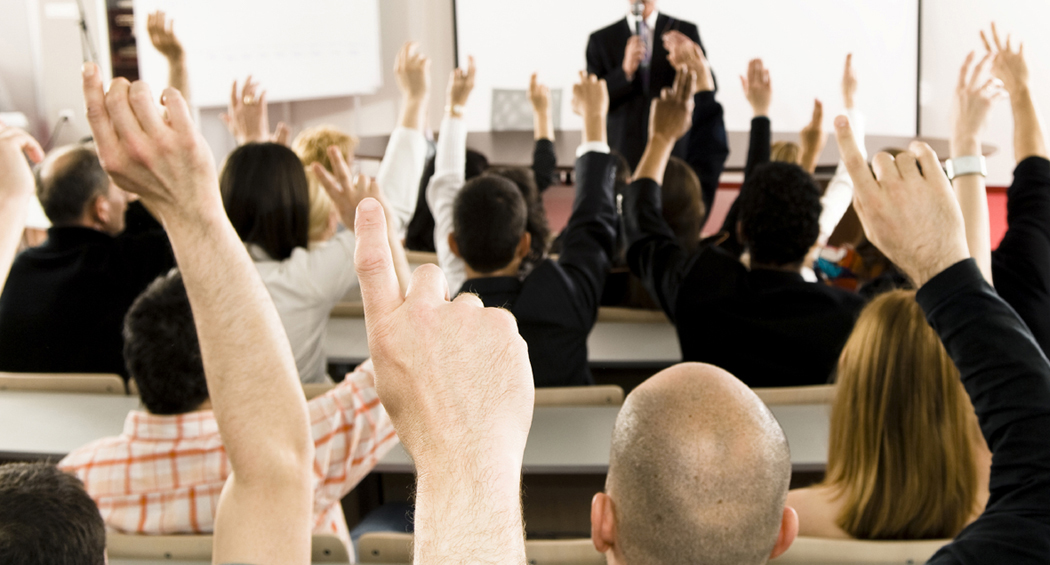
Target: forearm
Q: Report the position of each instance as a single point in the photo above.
(1029, 138)
(810, 155)
(247, 360)
(543, 125)
(471, 514)
(654, 160)
(413, 112)
(973, 199)
(760, 144)
(178, 76)
(13, 210)
(399, 174)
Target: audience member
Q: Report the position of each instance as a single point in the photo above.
(544, 159)
(248, 118)
(311, 145)
(64, 303)
(897, 469)
(162, 36)
(420, 236)
(723, 312)
(46, 518)
(482, 238)
(350, 430)
(259, 407)
(16, 191)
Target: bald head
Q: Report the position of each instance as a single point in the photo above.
(68, 180)
(699, 471)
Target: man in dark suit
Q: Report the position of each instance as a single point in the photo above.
(632, 56)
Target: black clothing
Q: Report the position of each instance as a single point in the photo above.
(707, 147)
(1008, 380)
(1021, 264)
(62, 309)
(544, 164)
(766, 327)
(556, 304)
(628, 120)
(759, 152)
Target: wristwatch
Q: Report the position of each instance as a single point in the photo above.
(968, 165)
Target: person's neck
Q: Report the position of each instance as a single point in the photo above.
(795, 268)
(510, 270)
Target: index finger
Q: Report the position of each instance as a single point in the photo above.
(380, 290)
(852, 156)
(984, 39)
(995, 37)
(97, 114)
(818, 112)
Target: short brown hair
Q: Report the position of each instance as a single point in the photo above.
(68, 181)
(901, 452)
(682, 203)
(311, 145)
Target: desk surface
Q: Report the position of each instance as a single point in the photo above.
(514, 148)
(611, 344)
(563, 440)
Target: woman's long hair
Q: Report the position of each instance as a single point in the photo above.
(903, 432)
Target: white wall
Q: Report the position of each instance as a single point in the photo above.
(427, 21)
(950, 31)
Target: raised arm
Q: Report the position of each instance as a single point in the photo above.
(973, 100)
(544, 160)
(839, 194)
(16, 191)
(654, 254)
(406, 152)
(456, 381)
(813, 139)
(248, 117)
(162, 35)
(590, 236)
(1021, 263)
(264, 512)
(449, 175)
(708, 145)
(759, 92)
(914, 218)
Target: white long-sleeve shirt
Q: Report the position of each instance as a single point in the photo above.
(400, 171)
(450, 161)
(839, 194)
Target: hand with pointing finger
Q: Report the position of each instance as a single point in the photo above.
(671, 115)
(813, 139)
(913, 217)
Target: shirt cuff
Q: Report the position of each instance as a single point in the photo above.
(947, 283)
(592, 147)
(451, 146)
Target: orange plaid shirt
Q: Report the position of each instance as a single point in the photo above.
(163, 475)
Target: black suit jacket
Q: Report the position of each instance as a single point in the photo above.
(556, 305)
(629, 100)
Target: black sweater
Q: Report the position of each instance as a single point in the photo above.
(1008, 380)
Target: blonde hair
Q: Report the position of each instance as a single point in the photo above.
(903, 432)
(312, 147)
(786, 152)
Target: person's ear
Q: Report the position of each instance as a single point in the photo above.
(603, 522)
(101, 210)
(524, 246)
(788, 532)
(453, 246)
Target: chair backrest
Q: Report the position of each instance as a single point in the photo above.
(512, 110)
(314, 390)
(63, 382)
(819, 550)
(604, 395)
(793, 395)
(394, 547)
(325, 548)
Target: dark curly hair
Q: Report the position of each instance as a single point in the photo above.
(489, 218)
(536, 221)
(161, 349)
(779, 213)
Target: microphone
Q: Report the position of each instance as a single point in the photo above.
(638, 10)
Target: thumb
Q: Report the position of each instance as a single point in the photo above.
(380, 290)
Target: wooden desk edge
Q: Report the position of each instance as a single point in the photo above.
(606, 314)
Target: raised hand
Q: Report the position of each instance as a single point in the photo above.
(912, 216)
(849, 83)
(813, 139)
(542, 115)
(757, 87)
(672, 113)
(162, 35)
(1008, 66)
(461, 84)
(590, 100)
(16, 178)
(683, 51)
(633, 56)
(456, 381)
(412, 69)
(973, 100)
(248, 117)
(345, 187)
